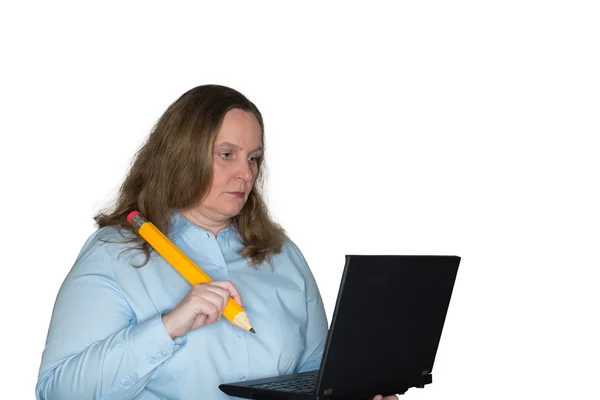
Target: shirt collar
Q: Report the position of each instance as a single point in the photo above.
(180, 224)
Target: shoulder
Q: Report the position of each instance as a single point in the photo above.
(291, 252)
(107, 238)
(104, 248)
(290, 249)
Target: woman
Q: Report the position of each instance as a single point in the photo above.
(126, 325)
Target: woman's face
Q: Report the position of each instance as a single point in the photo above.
(235, 153)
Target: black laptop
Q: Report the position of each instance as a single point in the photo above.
(384, 333)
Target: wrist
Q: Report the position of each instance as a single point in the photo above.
(170, 330)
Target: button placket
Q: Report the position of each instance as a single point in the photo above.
(242, 364)
(220, 259)
(215, 256)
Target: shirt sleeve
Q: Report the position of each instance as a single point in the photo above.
(316, 329)
(95, 346)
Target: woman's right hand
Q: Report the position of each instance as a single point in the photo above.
(202, 305)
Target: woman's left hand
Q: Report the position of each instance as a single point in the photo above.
(380, 397)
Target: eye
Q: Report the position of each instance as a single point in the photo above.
(254, 159)
(225, 156)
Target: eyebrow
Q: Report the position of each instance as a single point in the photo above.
(236, 147)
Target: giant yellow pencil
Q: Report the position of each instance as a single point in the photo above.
(182, 264)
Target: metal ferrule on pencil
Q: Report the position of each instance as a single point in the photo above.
(137, 222)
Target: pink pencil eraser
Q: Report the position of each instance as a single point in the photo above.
(132, 216)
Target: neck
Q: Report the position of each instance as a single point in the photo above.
(214, 226)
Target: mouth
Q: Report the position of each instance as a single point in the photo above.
(239, 195)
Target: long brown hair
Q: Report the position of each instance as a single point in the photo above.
(173, 171)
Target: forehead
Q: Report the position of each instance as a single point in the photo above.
(240, 128)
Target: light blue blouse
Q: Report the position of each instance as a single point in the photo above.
(106, 338)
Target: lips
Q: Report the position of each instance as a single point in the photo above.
(239, 195)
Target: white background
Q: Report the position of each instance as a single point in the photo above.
(465, 127)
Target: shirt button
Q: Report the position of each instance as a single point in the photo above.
(238, 338)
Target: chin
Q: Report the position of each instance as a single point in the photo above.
(231, 212)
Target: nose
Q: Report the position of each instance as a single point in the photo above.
(244, 171)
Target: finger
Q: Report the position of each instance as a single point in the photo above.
(210, 318)
(223, 293)
(206, 292)
(230, 289)
(215, 295)
(210, 310)
(233, 292)
(207, 307)
(200, 320)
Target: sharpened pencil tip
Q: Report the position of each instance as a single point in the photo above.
(252, 330)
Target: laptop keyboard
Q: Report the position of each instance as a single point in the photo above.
(304, 384)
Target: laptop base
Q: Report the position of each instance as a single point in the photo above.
(260, 390)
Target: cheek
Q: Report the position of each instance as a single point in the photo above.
(220, 178)
(255, 173)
